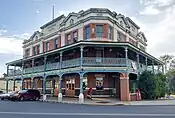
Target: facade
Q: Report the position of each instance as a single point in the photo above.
(96, 49)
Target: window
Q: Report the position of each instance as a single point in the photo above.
(99, 31)
(34, 50)
(110, 33)
(99, 83)
(47, 46)
(27, 53)
(38, 49)
(72, 21)
(70, 84)
(68, 39)
(121, 23)
(133, 28)
(87, 32)
(75, 36)
(118, 36)
(56, 43)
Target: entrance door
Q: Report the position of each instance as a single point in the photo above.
(70, 87)
(116, 87)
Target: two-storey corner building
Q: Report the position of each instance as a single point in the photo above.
(96, 49)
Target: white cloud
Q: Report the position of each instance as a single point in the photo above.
(37, 11)
(151, 7)
(2, 31)
(63, 12)
(160, 35)
(158, 2)
(21, 36)
(10, 45)
(150, 10)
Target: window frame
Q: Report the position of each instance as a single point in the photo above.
(87, 32)
(34, 50)
(38, 49)
(47, 46)
(99, 81)
(56, 43)
(99, 34)
(110, 32)
(118, 36)
(75, 38)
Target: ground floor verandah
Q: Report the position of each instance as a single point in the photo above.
(104, 84)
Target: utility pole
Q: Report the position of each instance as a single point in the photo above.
(53, 12)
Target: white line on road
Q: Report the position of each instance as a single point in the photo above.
(84, 114)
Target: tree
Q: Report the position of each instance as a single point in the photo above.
(146, 85)
(171, 81)
(152, 86)
(161, 88)
(166, 59)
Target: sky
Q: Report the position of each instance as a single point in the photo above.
(20, 18)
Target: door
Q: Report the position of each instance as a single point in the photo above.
(99, 55)
(70, 87)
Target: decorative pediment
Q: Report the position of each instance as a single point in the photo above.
(130, 22)
(35, 35)
(70, 19)
(142, 36)
(122, 21)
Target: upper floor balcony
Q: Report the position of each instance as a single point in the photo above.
(91, 55)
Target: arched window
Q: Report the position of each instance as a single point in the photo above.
(72, 21)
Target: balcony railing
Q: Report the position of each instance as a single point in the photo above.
(39, 68)
(88, 62)
(91, 61)
(28, 70)
(15, 72)
(71, 63)
(53, 66)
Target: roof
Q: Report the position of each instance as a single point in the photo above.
(53, 21)
(132, 22)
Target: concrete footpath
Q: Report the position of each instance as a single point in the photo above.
(111, 102)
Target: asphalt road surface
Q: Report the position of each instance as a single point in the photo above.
(32, 109)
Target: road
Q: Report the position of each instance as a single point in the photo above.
(32, 109)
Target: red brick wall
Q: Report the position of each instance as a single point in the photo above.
(105, 29)
(92, 34)
(51, 45)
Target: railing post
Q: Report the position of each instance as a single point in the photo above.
(60, 96)
(153, 67)
(22, 83)
(146, 62)
(81, 57)
(7, 85)
(163, 71)
(81, 96)
(44, 79)
(126, 56)
(7, 70)
(61, 56)
(32, 65)
(14, 85)
(138, 63)
(158, 68)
